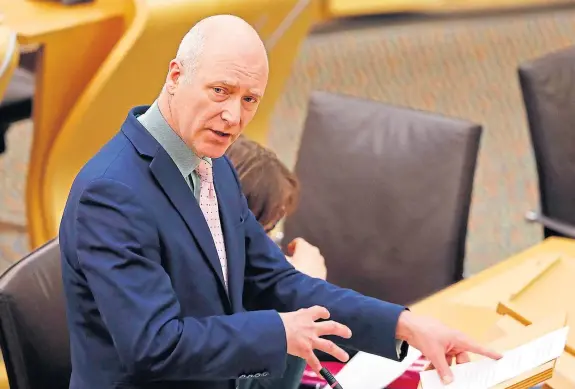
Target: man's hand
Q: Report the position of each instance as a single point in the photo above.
(439, 343)
(306, 258)
(303, 335)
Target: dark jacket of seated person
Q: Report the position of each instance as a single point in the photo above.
(272, 191)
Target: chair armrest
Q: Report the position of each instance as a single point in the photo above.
(552, 224)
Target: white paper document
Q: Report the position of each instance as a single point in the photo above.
(368, 371)
(487, 372)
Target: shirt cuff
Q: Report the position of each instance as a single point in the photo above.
(401, 347)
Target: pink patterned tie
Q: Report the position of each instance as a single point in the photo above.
(209, 206)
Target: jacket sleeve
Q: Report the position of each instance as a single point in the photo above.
(273, 283)
(118, 251)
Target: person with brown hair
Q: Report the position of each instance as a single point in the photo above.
(272, 192)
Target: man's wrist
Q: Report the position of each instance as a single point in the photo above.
(404, 329)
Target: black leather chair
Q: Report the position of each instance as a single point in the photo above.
(548, 88)
(33, 329)
(385, 195)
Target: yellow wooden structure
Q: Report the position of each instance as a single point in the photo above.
(73, 42)
(346, 8)
(9, 56)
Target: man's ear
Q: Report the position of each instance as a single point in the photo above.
(174, 76)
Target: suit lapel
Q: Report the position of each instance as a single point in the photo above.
(175, 187)
(236, 264)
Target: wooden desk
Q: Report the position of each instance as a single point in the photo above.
(74, 41)
(495, 283)
(470, 305)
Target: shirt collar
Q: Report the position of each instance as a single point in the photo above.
(184, 158)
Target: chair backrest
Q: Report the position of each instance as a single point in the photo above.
(385, 195)
(133, 74)
(9, 55)
(548, 87)
(33, 328)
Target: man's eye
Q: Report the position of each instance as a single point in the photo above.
(218, 90)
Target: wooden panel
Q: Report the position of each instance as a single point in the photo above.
(506, 284)
(346, 8)
(36, 20)
(509, 278)
(550, 292)
(482, 282)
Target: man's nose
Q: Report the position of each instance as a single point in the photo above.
(232, 113)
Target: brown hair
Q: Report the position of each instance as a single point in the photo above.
(271, 189)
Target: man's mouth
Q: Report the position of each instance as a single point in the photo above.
(221, 134)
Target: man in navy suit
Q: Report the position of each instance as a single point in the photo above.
(164, 291)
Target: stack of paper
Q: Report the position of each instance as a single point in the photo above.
(487, 373)
(368, 371)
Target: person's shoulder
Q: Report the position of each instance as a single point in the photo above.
(225, 170)
(222, 162)
(115, 161)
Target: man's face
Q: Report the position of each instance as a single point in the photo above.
(211, 107)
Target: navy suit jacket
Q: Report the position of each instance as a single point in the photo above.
(146, 302)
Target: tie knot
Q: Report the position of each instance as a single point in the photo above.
(204, 170)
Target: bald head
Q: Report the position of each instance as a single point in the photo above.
(215, 84)
(215, 34)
